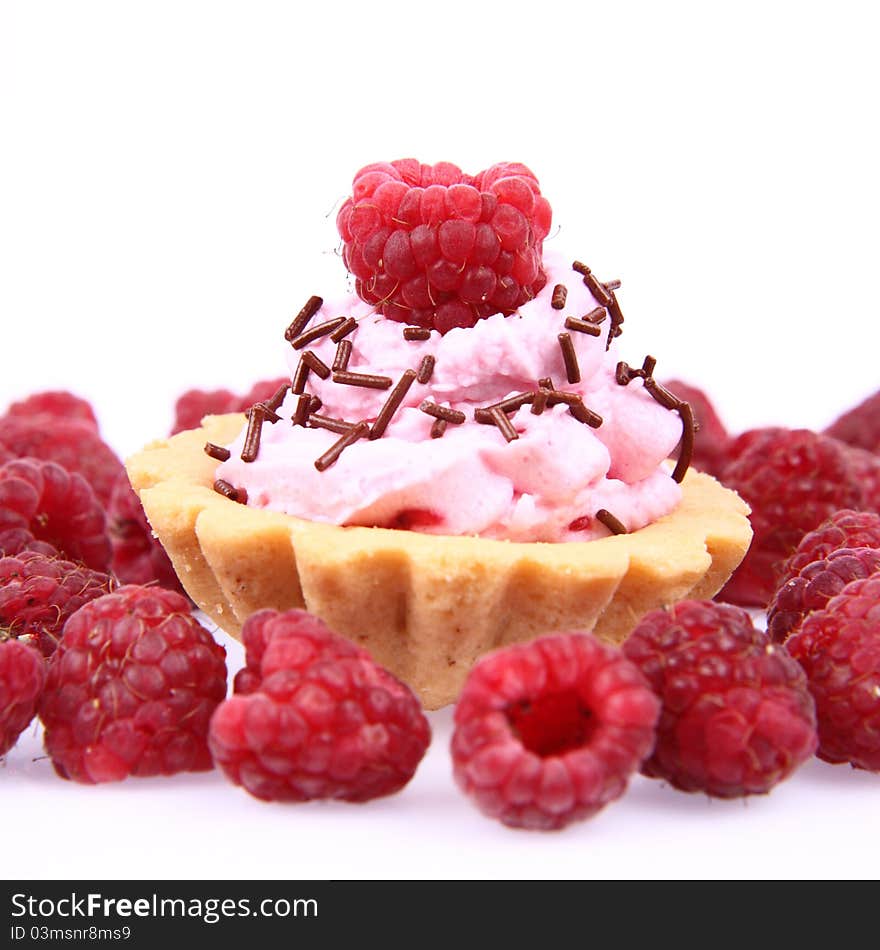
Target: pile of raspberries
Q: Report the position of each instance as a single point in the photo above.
(99, 641)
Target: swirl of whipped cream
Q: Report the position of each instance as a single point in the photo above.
(545, 485)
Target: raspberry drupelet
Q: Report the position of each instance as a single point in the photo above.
(549, 732)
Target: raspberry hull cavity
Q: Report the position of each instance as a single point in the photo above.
(549, 732)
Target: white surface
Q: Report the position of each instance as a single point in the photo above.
(170, 174)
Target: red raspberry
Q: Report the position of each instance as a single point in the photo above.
(131, 688)
(311, 638)
(70, 443)
(432, 246)
(844, 529)
(793, 480)
(839, 648)
(860, 426)
(55, 506)
(195, 404)
(866, 470)
(548, 732)
(22, 675)
(38, 594)
(261, 391)
(815, 585)
(138, 558)
(319, 719)
(58, 403)
(712, 439)
(737, 717)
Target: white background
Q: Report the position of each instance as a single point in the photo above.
(169, 176)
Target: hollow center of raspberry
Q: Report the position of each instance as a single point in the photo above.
(552, 725)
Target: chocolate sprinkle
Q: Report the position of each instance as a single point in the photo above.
(612, 284)
(426, 369)
(343, 329)
(315, 404)
(269, 414)
(395, 398)
(438, 428)
(614, 525)
(316, 364)
(303, 407)
(356, 432)
(616, 320)
(539, 401)
(442, 412)
(322, 329)
(217, 452)
(625, 374)
(251, 446)
(583, 326)
(416, 333)
(594, 285)
(576, 407)
(222, 487)
(327, 422)
(278, 397)
(343, 355)
(311, 307)
(300, 376)
(545, 382)
(572, 370)
(505, 426)
(687, 441)
(368, 380)
(560, 292)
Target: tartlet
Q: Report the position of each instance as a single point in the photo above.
(425, 606)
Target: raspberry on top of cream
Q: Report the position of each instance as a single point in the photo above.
(522, 427)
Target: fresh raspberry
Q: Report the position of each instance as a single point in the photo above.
(261, 391)
(839, 648)
(195, 404)
(548, 732)
(712, 439)
(38, 594)
(131, 688)
(55, 506)
(58, 403)
(318, 720)
(737, 717)
(72, 444)
(22, 675)
(866, 470)
(432, 246)
(311, 638)
(792, 480)
(860, 426)
(138, 558)
(815, 585)
(844, 529)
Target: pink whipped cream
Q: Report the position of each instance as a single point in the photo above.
(546, 485)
